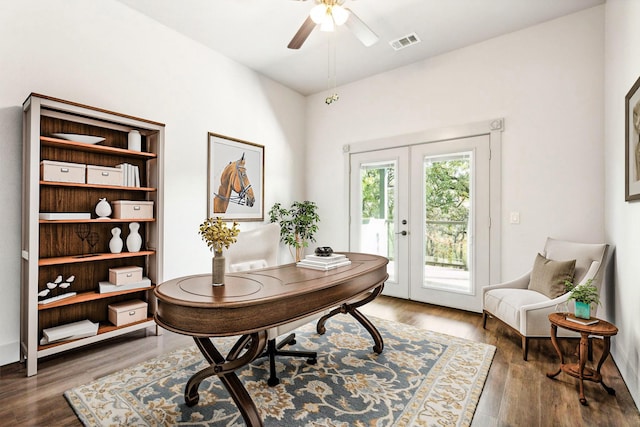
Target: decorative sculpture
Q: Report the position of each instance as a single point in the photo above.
(51, 286)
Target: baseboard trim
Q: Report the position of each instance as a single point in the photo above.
(629, 373)
(9, 353)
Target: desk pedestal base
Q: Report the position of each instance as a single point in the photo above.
(224, 369)
(352, 309)
(249, 347)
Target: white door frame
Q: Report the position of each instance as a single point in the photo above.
(493, 128)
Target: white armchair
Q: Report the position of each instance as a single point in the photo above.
(526, 310)
(258, 248)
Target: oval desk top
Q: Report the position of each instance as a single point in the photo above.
(260, 299)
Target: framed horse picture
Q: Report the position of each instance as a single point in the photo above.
(632, 142)
(235, 190)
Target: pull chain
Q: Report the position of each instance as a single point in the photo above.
(331, 71)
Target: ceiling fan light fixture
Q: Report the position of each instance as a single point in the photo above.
(320, 13)
(328, 16)
(327, 25)
(340, 14)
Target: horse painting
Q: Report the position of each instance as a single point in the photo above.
(233, 180)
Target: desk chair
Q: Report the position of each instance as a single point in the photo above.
(258, 248)
(524, 304)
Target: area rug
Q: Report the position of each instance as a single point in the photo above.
(422, 378)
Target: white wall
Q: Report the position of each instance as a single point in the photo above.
(562, 133)
(107, 55)
(546, 81)
(622, 219)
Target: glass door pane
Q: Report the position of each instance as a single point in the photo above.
(378, 189)
(447, 214)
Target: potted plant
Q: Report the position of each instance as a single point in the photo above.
(298, 225)
(583, 295)
(215, 232)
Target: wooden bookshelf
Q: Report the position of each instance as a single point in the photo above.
(56, 247)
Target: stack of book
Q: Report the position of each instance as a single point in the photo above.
(324, 262)
(105, 286)
(585, 322)
(130, 175)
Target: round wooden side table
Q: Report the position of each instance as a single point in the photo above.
(601, 328)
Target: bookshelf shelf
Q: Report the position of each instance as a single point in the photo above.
(86, 297)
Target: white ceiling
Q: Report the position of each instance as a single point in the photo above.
(256, 32)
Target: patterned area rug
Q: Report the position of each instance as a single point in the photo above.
(422, 378)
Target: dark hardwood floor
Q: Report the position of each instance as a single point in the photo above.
(517, 393)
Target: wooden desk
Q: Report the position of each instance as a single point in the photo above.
(251, 302)
(578, 370)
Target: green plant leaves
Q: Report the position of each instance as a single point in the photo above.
(586, 293)
(298, 224)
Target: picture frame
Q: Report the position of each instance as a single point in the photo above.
(632, 143)
(235, 187)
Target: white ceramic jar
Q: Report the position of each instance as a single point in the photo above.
(134, 141)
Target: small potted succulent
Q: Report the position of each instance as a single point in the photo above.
(218, 235)
(583, 295)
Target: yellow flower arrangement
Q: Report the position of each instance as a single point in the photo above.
(215, 232)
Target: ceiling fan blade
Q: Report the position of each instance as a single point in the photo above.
(307, 26)
(360, 29)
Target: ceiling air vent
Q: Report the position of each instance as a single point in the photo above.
(406, 41)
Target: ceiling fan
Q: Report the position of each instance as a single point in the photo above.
(329, 14)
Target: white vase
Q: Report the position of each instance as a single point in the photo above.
(103, 209)
(116, 243)
(134, 141)
(134, 240)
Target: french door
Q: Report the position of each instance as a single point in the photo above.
(426, 208)
(379, 224)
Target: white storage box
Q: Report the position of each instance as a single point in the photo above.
(125, 275)
(132, 209)
(123, 313)
(103, 175)
(62, 172)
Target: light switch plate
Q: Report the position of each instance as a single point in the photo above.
(514, 217)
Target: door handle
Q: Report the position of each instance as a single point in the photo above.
(403, 232)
